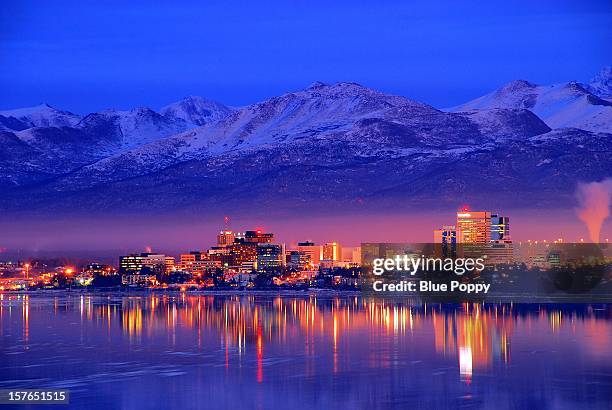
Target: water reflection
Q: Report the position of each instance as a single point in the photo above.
(307, 350)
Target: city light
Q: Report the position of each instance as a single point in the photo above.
(253, 259)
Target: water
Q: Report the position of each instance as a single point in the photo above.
(264, 352)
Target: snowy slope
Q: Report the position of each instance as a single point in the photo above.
(327, 145)
(196, 110)
(134, 127)
(601, 84)
(42, 115)
(559, 105)
(320, 111)
(372, 123)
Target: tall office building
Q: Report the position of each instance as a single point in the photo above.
(270, 256)
(501, 249)
(311, 250)
(258, 236)
(154, 261)
(169, 264)
(475, 227)
(449, 237)
(332, 251)
(298, 260)
(242, 254)
(448, 234)
(225, 238)
(197, 262)
(186, 260)
(130, 263)
(500, 227)
(137, 269)
(356, 255)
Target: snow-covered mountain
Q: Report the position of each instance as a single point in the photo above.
(133, 128)
(601, 84)
(42, 115)
(327, 113)
(326, 147)
(196, 110)
(559, 106)
(63, 142)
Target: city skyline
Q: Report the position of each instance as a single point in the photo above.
(240, 257)
(110, 236)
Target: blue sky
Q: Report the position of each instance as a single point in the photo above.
(86, 56)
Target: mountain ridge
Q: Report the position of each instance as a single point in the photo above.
(328, 145)
(569, 104)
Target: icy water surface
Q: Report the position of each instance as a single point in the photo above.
(266, 352)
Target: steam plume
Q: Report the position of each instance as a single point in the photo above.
(594, 200)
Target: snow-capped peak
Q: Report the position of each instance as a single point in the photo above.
(517, 86)
(42, 115)
(601, 84)
(317, 85)
(196, 110)
(134, 127)
(559, 105)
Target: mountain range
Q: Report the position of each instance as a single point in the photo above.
(326, 148)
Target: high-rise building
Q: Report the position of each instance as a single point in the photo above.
(332, 251)
(500, 227)
(139, 269)
(448, 234)
(501, 249)
(154, 261)
(130, 263)
(356, 255)
(448, 237)
(196, 262)
(242, 254)
(169, 264)
(225, 238)
(258, 236)
(475, 226)
(269, 256)
(186, 260)
(220, 255)
(298, 260)
(312, 251)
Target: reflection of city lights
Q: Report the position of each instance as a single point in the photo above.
(473, 337)
(465, 363)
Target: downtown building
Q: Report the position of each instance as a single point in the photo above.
(477, 234)
(332, 251)
(475, 227)
(447, 240)
(501, 249)
(270, 257)
(225, 238)
(313, 252)
(197, 263)
(298, 260)
(242, 254)
(141, 269)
